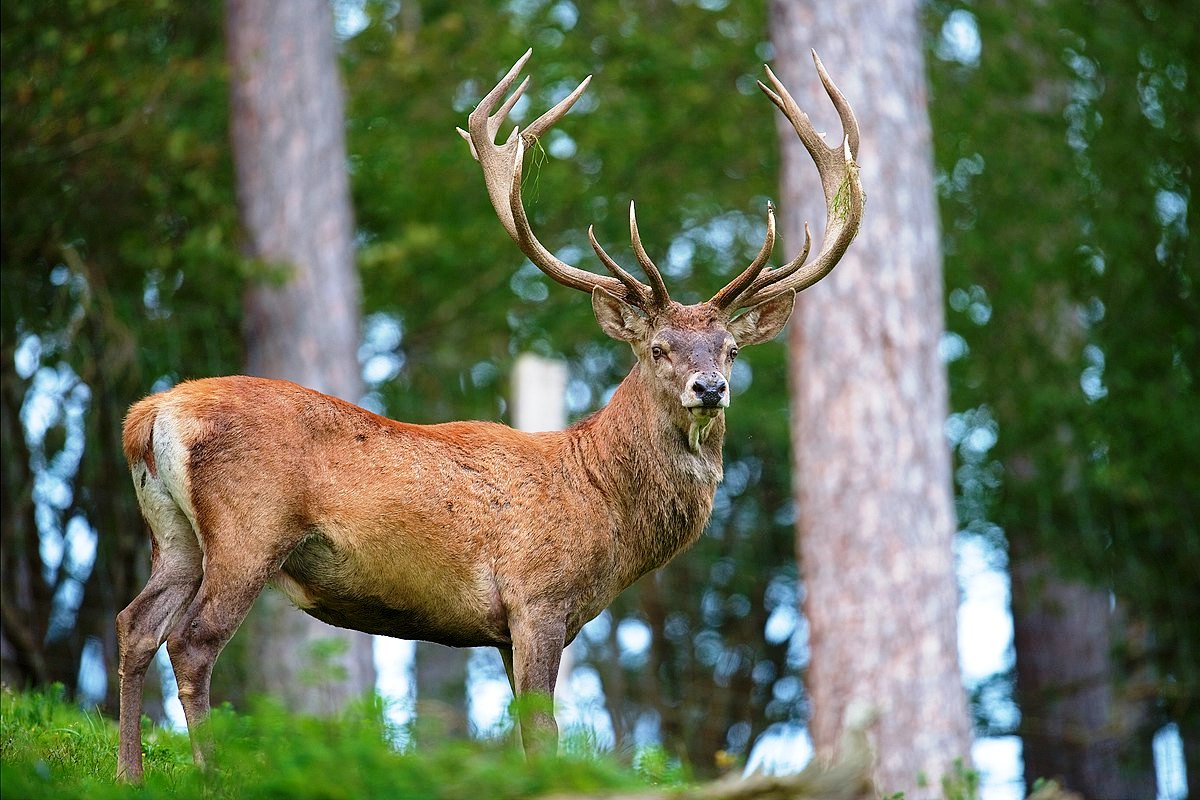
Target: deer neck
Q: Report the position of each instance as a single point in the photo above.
(658, 476)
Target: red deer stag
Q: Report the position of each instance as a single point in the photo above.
(466, 533)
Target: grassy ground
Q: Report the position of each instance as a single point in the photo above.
(49, 748)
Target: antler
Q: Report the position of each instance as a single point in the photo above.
(844, 200)
(502, 165)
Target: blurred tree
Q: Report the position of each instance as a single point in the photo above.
(1068, 182)
(872, 469)
(1076, 726)
(301, 317)
(440, 675)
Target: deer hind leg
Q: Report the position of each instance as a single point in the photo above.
(232, 582)
(175, 574)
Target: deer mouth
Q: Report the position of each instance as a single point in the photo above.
(706, 394)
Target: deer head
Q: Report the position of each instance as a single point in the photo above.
(686, 352)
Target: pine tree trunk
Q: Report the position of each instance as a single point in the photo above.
(302, 320)
(1075, 728)
(872, 467)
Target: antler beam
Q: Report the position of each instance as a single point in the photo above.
(844, 200)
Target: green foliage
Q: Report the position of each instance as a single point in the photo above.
(118, 269)
(1067, 148)
(961, 783)
(49, 748)
(657, 766)
(324, 661)
(116, 172)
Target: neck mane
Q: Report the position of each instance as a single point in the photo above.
(659, 489)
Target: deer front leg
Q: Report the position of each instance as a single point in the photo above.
(532, 666)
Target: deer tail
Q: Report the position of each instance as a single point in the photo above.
(138, 436)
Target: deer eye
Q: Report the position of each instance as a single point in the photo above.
(656, 351)
(733, 351)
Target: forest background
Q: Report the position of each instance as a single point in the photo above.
(1065, 136)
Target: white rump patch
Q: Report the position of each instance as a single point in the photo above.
(174, 478)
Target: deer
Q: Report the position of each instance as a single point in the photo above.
(467, 534)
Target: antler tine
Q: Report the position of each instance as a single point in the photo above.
(724, 298)
(773, 276)
(497, 119)
(844, 197)
(657, 286)
(535, 129)
(845, 112)
(635, 286)
(482, 113)
(502, 165)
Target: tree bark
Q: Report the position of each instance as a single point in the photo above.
(869, 399)
(441, 678)
(1075, 727)
(302, 319)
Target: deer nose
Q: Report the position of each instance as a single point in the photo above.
(710, 388)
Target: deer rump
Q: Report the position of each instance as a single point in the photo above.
(411, 531)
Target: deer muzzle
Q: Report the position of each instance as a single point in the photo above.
(705, 391)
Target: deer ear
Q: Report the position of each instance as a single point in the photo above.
(762, 322)
(617, 318)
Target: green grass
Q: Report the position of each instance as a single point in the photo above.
(50, 748)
